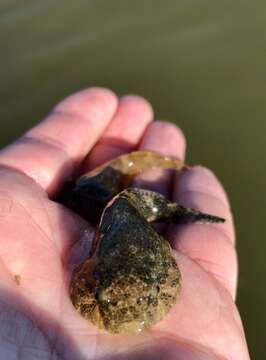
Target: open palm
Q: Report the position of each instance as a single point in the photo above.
(41, 241)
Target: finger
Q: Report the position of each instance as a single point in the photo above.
(165, 138)
(123, 134)
(49, 152)
(211, 246)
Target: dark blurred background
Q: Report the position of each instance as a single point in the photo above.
(202, 64)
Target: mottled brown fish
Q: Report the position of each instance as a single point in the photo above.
(131, 279)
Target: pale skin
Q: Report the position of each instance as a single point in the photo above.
(41, 241)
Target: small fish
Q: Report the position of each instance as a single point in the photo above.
(131, 280)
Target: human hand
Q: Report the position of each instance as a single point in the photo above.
(40, 240)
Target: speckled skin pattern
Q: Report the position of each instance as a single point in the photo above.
(131, 279)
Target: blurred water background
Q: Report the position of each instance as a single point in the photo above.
(202, 64)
